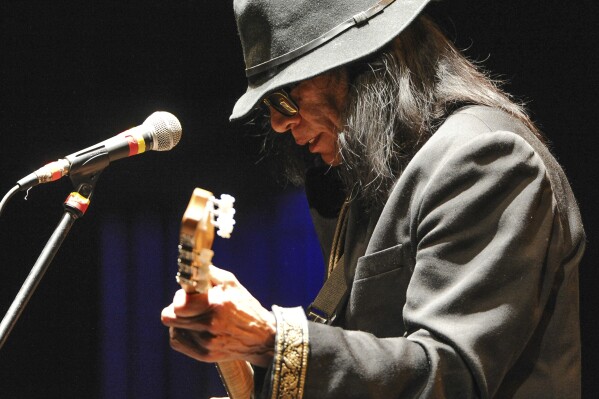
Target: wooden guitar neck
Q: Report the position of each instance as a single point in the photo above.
(195, 257)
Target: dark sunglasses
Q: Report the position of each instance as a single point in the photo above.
(282, 102)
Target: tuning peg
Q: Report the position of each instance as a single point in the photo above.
(224, 215)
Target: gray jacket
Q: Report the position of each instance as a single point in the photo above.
(467, 284)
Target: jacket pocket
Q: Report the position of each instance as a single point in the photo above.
(381, 262)
(378, 292)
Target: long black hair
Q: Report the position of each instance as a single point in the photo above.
(397, 100)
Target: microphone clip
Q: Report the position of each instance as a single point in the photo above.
(85, 170)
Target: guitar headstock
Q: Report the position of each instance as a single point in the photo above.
(204, 212)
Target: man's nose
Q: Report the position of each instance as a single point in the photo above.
(281, 123)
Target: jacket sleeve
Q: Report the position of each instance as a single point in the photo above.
(482, 278)
(481, 220)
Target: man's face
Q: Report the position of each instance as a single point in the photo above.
(321, 101)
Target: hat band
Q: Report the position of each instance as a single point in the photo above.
(356, 20)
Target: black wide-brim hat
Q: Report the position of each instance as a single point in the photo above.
(287, 41)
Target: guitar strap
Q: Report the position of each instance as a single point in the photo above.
(331, 295)
(325, 306)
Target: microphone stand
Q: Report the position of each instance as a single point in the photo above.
(74, 207)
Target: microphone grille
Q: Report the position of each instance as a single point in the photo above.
(166, 130)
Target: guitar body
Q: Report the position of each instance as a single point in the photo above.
(195, 257)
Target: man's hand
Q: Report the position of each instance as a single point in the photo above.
(225, 323)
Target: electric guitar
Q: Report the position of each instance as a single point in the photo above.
(203, 213)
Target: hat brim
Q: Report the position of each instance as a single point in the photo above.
(354, 44)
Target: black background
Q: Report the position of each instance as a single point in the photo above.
(73, 73)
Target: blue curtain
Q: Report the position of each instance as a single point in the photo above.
(273, 251)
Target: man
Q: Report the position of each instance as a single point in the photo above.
(456, 236)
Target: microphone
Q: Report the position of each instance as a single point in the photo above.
(161, 131)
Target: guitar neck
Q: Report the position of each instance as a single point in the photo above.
(238, 378)
(195, 258)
